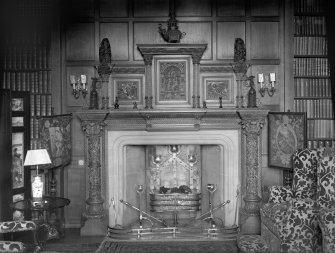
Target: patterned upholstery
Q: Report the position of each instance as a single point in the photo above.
(289, 219)
(16, 226)
(251, 243)
(10, 246)
(279, 194)
(326, 218)
(299, 230)
(304, 172)
(326, 182)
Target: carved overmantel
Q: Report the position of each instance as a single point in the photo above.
(148, 51)
(96, 123)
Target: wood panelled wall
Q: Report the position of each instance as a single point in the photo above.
(260, 23)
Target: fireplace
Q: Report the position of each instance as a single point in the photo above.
(218, 153)
(117, 143)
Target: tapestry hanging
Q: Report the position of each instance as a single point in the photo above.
(55, 136)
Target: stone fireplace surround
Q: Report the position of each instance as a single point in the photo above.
(236, 131)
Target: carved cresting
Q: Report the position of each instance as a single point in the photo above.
(93, 132)
(250, 215)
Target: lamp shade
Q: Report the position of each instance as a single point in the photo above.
(37, 157)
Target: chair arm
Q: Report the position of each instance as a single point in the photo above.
(326, 218)
(15, 226)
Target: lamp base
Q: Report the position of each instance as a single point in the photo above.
(37, 191)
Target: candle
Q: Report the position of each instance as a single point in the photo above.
(272, 77)
(260, 78)
(83, 78)
(72, 79)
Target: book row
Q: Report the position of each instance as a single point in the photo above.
(312, 144)
(26, 57)
(312, 87)
(35, 82)
(310, 46)
(310, 25)
(310, 67)
(320, 129)
(315, 108)
(40, 105)
(308, 6)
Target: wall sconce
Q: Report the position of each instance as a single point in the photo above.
(78, 85)
(266, 84)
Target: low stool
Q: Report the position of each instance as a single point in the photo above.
(251, 244)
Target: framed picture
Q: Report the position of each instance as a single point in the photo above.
(287, 132)
(216, 86)
(20, 123)
(55, 136)
(128, 89)
(172, 87)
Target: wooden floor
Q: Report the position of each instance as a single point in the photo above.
(73, 242)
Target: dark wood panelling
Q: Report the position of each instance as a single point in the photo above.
(78, 8)
(117, 34)
(151, 8)
(80, 42)
(264, 40)
(193, 8)
(145, 32)
(115, 8)
(77, 71)
(264, 7)
(198, 33)
(226, 34)
(230, 8)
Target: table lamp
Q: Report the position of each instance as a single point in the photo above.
(37, 157)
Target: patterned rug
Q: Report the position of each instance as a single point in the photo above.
(109, 245)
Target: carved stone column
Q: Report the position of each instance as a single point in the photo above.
(94, 214)
(252, 124)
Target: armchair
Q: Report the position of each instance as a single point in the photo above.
(17, 226)
(326, 202)
(289, 217)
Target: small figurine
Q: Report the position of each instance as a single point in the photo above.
(146, 102)
(220, 102)
(116, 104)
(198, 102)
(134, 105)
(204, 105)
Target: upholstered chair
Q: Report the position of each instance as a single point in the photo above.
(18, 226)
(326, 202)
(289, 218)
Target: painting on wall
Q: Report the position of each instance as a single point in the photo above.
(287, 132)
(128, 89)
(55, 136)
(17, 104)
(18, 215)
(17, 160)
(218, 87)
(172, 82)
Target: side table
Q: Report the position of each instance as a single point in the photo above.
(39, 214)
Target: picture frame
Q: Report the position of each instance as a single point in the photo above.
(55, 137)
(172, 83)
(129, 90)
(287, 133)
(218, 85)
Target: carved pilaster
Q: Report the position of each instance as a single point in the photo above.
(250, 215)
(148, 74)
(94, 133)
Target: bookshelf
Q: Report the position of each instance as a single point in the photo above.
(312, 87)
(26, 67)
